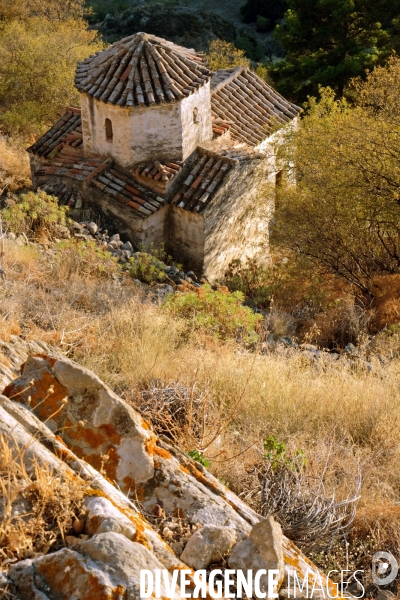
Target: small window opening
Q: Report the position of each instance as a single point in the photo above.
(279, 178)
(109, 130)
(195, 115)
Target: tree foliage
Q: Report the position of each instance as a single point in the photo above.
(37, 65)
(272, 10)
(223, 55)
(343, 213)
(54, 10)
(40, 44)
(328, 42)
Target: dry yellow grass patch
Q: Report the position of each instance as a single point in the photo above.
(14, 167)
(36, 508)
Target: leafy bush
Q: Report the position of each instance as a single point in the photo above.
(146, 267)
(85, 259)
(14, 167)
(199, 457)
(275, 454)
(271, 10)
(217, 312)
(250, 46)
(101, 8)
(34, 214)
(262, 24)
(343, 214)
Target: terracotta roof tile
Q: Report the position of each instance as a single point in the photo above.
(67, 130)
(142, 70)
(207, 173)
(220, 127)
(158, 171)
(66, 194)
(252, 106)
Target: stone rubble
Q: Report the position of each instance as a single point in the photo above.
(70, 421)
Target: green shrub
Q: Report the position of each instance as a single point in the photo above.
(217, 312)
(146, 268)
(275, 454)
(34, 214)
(199, 457)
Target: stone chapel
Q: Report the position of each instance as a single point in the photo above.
(177, 155)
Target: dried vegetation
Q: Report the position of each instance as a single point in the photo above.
(38, 506)
(220, 400)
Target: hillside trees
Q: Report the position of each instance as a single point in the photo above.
(344, 212)
(328, 42)
(272, 10)
(40, 44)
(54, 10)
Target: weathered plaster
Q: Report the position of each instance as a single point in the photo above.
(197, 130)
(236, 223)
(142, 134)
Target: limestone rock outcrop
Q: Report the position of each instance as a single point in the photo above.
(68, 420)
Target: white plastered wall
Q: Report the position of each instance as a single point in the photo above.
(143, 134)
(139, 134)
(196, 130)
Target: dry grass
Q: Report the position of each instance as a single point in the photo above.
(37, 509)
(341, 418)
(14, 167)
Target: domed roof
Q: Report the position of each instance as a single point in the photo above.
(142, 70)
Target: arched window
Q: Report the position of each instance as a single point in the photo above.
(195, 115)
(109, 130)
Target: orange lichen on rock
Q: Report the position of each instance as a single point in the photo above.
(47, 395)
(152, 448)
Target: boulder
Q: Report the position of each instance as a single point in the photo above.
(92, 227)
(207, 545)
(90, 417)
(106, 566)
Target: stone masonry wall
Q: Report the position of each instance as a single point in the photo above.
(196, 130)
(238, 219)
(185, 237)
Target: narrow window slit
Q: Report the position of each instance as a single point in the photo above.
(109, 130)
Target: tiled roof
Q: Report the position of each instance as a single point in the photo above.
(65, 165)
(66, 194)
(110, 179)
(158, 171)
(241, 97)
(67, 130)
(142, 70)
(205, 177)
(220, 127)
(194, 193)
(125, 190)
